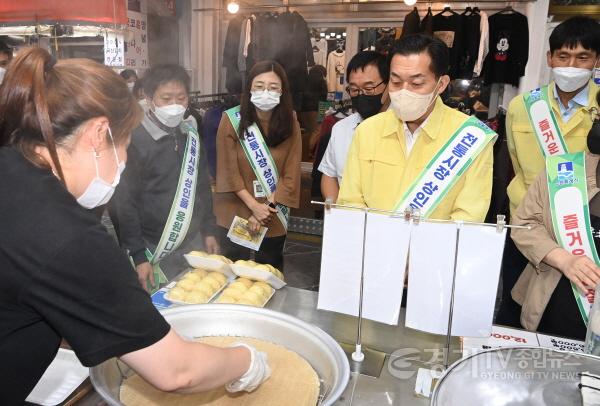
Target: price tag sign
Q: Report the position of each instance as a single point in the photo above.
(500, 337)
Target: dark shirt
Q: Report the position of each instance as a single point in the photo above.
(449, 28)
(472, 34)
(148, 185)
(427, 23)
(412, 23)
(63, 276)
(509, 49)
(210, 125)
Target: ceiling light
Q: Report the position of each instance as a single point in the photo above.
(332, 34)
(338, 36)
(410, 2)
(322, 34)
(233, 7)
(344, 34)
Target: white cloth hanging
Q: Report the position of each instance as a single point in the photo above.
(336, 71)
(484, 43)
(319, 51)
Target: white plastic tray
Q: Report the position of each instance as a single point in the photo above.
(210, 264)
(258, 275)
(173, 283)
(61, 378)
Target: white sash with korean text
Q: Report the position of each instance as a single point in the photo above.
(180, 216)
(543, 121)
(446, 167)
(569, 205)
(260, 160)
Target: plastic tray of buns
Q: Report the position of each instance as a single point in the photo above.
(243, 291)
(210, 262)
(197, 286)
(259, 272)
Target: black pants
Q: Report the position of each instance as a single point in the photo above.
(270, 252)
(513, 263)
(561, 316)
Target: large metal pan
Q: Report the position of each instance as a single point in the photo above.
(317, 347)
(515, 376)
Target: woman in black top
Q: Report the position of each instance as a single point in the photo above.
(64, 130)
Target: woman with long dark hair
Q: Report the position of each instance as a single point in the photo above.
(258, 163)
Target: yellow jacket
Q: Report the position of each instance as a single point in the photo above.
(378, 173)
(525, 153)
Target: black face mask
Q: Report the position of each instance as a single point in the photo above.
(593, 138)
(367, 106)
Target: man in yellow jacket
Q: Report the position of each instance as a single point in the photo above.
(421, 153)
(558, 123)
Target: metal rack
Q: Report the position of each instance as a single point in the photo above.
(411, 215)
(353, 5)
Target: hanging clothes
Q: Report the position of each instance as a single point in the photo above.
(450, 29)
(427, 23)
(319, 47)
(472, 33)
(412, 23)
(336, 70)
(233, 80)
(484, 30)
(509, 48)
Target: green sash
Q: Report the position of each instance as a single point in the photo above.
(446, 167)
(570, 214)
(180, 215)
(260, 160)
(543, 121)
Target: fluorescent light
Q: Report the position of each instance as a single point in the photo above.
(410, 2)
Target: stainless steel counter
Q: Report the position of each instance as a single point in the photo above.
(406, 351)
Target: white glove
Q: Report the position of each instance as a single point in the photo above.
(258, 372)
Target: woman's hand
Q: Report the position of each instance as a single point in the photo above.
(582, 271)
(263, 213)
(254, 225)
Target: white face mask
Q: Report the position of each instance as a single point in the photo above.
(130, 86)
(265, 100)
(171, 115)
(569, 79)
(2, 73)
(100, 191)
(410, 106)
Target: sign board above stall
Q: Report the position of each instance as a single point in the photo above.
(136, 41)
(104, 12)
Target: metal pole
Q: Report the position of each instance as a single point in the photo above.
(451, 313)
(358, 355)
(402, 214)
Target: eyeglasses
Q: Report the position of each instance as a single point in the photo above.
(270, 88)
(368, 91)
